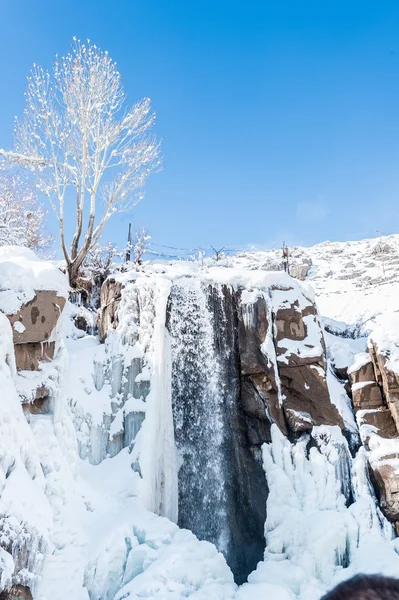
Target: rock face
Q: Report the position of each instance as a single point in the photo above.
(375, 393)
(33, 328)
(259, 389)
(110, 297)
(388, 382)
(301, 360)
(37, 319)
(18, 592)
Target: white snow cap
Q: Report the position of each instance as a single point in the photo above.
(22, 273)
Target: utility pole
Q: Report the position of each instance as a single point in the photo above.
(286, 263)
(217, 252)
(129, 243)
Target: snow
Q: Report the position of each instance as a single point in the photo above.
(360, 360)
(24, 508)
(22, 273)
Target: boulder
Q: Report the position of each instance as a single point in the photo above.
(300, 271)
(363, 373)
(380, 420)
(366, 395)
(36, 320)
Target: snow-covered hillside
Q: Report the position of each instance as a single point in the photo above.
(212, 402)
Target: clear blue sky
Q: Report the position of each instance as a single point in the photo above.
(280, 119)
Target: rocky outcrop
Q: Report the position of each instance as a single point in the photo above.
(301, 270)
(259, 388)
(388, 381)
(300, 351)
(18, 592)
(110, 297)
(374, 389)
(34, 329)
(386, 483)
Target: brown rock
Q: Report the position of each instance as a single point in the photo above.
(259, 395)
(39, 317)
(307, 399)
(17, 592)
(386, 478)
(367, 396)
(28, 356)
(289, 324)
(388, 381)
(42, 406)
(364, 373)
(381, 419)
(303, 378)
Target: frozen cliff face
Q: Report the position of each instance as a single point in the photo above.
(212, 405)
(25, 515)
(228, 354)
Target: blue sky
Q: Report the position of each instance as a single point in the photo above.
(279, 119)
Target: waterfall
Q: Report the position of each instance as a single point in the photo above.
(197, 398)
(221, 482)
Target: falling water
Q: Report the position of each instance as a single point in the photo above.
(198, 414)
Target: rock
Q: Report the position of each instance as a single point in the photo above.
(366, 395)
(290, 325)
(341, 372)
(28, 356)
(307, 399)
(364, 373)
(382, 248)
(388, 382)
(41, 406)
(302, 368)
(300, 271)
(18, 592)
(110, 297)
(386, 478)
(82, 292)
(37, 318)
(381, 419)
(259, 396)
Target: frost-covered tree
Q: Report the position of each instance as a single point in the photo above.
(22, 217)
(140, 245)
(87, 152)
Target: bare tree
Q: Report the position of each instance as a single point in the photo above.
(83, 148)
(140, 245)
(22, 217)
